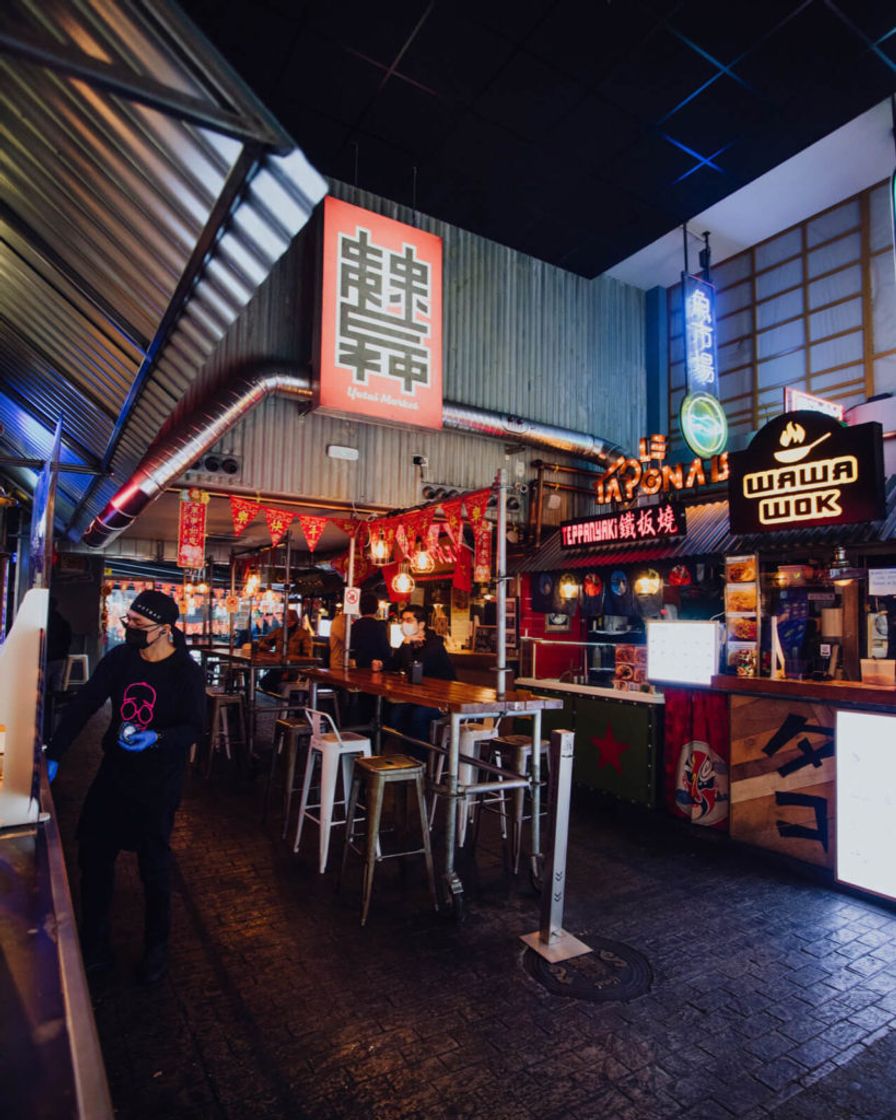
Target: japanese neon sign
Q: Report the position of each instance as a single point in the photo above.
(631, 526)
(380, 339)
(701, 348)
(649, 474)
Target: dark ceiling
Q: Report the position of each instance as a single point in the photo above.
(575, 131)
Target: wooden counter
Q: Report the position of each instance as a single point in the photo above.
(477, 667)
(840, 694)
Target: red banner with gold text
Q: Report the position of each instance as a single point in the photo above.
(279, 520)
(243, 513)
(191, 529)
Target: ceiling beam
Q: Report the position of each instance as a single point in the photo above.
(82, 452)
(144, 91)
(38, 465)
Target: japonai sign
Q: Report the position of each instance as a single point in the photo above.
(633, 526)
(805, 469)
(380, 353)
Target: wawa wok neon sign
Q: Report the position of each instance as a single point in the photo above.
(625, 478)
(806, 468)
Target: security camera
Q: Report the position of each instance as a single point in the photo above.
(523, 488)
(420, 461)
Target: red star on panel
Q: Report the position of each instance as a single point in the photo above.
(609, 749)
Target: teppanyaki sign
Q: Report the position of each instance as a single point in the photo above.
(631, 526)
(805, 469)
(380, 344)
(625, 478)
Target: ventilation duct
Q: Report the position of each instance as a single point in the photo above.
(177, 450)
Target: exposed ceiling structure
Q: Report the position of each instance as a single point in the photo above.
(575, 131)
(145, 193)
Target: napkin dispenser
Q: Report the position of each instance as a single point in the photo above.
(415, 673)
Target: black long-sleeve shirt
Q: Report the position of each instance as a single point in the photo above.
(370, 642)
(431, 651)
(166, 696)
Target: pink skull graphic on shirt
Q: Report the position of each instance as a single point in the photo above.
(138, 704)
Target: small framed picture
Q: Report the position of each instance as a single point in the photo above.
(555, 623)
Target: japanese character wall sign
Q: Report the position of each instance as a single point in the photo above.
(380, 353)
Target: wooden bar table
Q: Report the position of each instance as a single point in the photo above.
(461, 702)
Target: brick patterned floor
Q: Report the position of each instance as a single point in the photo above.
(772, 996)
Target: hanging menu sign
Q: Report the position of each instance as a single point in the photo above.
(631, 526)
(805, 469)
(701, 358)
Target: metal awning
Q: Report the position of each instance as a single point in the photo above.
(145, 195)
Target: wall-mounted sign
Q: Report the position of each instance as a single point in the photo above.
(650, 474)
(700, 354)
(795, 400)
(703, 424)
(866, 776)
(380, 352)
(882, 581)
(650, 523)
(803, 468)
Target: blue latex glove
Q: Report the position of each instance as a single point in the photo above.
(52, 768)
(138, 740)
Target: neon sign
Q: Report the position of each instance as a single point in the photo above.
(701, 357)
(805, 468)
(626, 477)
(633, 526)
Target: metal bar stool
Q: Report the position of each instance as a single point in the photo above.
(472, 737)
(219, 737)
(519, 748)
(336, 752)
(287, 733)
(378, 771)
(83, 663)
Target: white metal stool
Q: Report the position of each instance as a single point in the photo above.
(472, 736)
(83, 662)
(519, 748)
(336, 752)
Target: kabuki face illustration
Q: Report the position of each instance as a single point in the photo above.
(138, 704)
(702, 784)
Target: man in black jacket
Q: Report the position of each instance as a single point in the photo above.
(419, 645)
(158, 701)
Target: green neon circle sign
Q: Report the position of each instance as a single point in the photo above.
(703, 424)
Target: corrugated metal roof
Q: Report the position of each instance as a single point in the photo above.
(709, 534)
(145, 195)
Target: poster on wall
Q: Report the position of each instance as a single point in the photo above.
(380, 332)
(697, 753)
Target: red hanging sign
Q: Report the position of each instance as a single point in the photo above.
(279, 520)
(347, 525)
(243, 513)
(462, 579)
(482, 560)
(476, 504)
(312, 527)
(191, 529)
(454, 521)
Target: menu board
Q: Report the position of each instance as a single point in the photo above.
(866, 801)
(742, 602)
(682, 652)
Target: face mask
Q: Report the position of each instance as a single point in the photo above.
(136, 638)
(409, 629)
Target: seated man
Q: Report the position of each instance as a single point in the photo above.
(419, 644)
(370, 649)
(299, 643)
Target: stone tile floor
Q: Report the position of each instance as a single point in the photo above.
(771, 995)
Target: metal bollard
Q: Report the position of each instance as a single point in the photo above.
(551, 941)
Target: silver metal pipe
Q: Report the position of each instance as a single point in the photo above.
(177, 449)
(501, 587)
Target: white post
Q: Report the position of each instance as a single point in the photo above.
(351, 583)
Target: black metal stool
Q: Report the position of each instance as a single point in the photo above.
(377, 772)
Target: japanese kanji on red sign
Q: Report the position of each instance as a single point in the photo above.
(278, 521)
(312, 527)
(191, 529)
(243, 512)
(648, 523)
(381, 319)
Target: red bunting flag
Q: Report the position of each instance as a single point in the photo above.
(347, 525)
(279, 520)
(462, 579)
(191, 529)
(243, 513)
(312, 527)
(454, 521)
(476, 504)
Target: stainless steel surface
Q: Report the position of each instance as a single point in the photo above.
(501, 586)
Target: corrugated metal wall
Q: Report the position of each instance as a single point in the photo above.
(521, 336)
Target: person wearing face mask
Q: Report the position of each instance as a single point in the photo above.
(419, 644)
(299, 643)
(157, 694)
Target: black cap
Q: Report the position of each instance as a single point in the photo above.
(155, 605)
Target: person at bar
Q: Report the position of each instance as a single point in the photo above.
(158, 708)
(419, 645)
(299, 643)
(370, 649)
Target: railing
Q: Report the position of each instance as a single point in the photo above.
(584, 646)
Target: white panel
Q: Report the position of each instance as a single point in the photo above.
(847, 282)
(832, 256)
(832, 320)
(788, 244)
(734, 384)
(883, 301)
(733, 299)
(885, 374)
(736, 354)
(778, 308)
(731, 271)
(736, 325)
(777, 279)
(881, 218)
(850, 375)
(828, 225)
(780, 371)
(778, 340)
(836, 352)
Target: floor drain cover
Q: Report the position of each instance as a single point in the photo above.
(612, 971)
